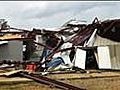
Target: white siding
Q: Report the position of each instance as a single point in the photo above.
(99, 41)
(104, 58)
(80, 58)
(115, 56)
(109, 57)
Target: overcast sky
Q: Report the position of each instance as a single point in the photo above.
(31, 14)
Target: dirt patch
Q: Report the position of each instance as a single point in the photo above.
(26, 86)
(91, 81)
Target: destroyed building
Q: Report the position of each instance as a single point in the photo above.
(103, 47)
(76, 46)
(97, 43)
(108, 45)
(86, 46)
(9, 50)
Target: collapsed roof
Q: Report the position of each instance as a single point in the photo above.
(73, 31)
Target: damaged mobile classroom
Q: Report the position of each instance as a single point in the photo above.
(87, 46)
(74, 46)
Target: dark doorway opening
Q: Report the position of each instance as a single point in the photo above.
(91, 61)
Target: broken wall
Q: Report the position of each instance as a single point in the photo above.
(12, 50)
(115, 56)
(109, 57)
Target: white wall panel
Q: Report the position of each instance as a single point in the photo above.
(104, 58)
(80, 58)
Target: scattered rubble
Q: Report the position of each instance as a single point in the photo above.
(72, 47)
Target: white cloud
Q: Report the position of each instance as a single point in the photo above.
(29, 14)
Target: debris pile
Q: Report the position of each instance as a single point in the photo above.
(72, 47)
(67, 47)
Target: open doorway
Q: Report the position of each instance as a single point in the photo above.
(91, 61)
